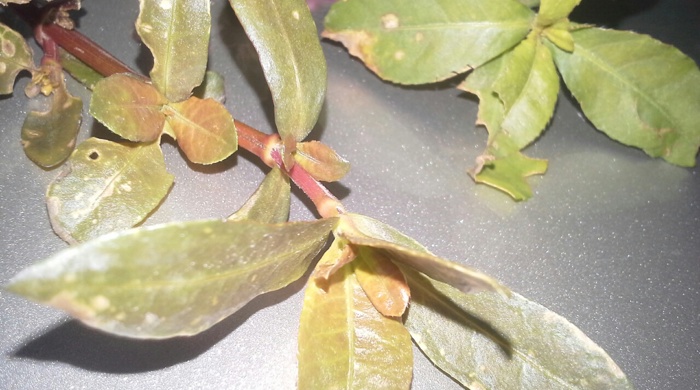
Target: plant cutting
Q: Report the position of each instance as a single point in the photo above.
(357, 324)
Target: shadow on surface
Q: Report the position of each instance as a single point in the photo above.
(89, 349)
(608, 13)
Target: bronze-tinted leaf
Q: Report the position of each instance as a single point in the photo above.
(321, 161)
(364, 231)
(488, 341)
(270, 202)
(382, 281)
(338, 254)
(345, 343)
(172, 279)
(129, 106)
(105, 187)
(204, 129)
(15, 56)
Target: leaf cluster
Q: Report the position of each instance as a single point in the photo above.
(372, 292)
(632, 87)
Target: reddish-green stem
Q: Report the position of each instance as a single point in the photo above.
(265, 146)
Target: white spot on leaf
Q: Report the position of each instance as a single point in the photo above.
(390, 21)
(100, 302)
(295, 14)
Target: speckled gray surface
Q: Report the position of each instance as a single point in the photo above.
(609, 241)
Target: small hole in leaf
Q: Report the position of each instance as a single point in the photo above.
(94, 156)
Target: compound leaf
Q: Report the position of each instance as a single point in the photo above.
(49, 136)
(637, 90)
(15, 56)
(177, 33)
(360, 230)
(172, 279)
(270, 201)
(204, 129)
(488, 341)
(129, 106)
(345, 343)
(284, 35)
(424, 41)
(106, 186)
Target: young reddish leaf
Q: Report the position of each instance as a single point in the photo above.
(129, 106)
(637, 90)
(270, 202)
(284, 35)
(173, 279)
(177, 33)
(345, 343)
(364, 231)
(105, 187)
(204, 129)
(15, 56)
(430, 40)
(382, 281)
(488, 341)
(321, 161)
(48, 137)
(336, 257)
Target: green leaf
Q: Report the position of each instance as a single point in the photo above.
(637, 90)
(177, 33)
(15, 56)
(285, 37)
(344, 343)
(382, 281)
(79, 70)
(270, 202)
(105, 187)
(338, 254)
(487, 341)
(129, 106)
(424, 41)
(530, 3)
(204, 129)
(321, 161)
(364, 231)
(211, 88)
(552, 11)
(173, 279)
(49, 136)
(560, 34)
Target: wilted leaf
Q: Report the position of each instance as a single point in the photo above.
(15, 56)
(211, 88)
(487, 341)
(552, 11)
(321, 161)
(129, 106)
(345, 343)
(172, 279)
(204, 129)
(177, 33)
(424, 41)
(270, 202)
(637, 90)
(79, 70)
(105, 187)
(49, 136)
(382, 281)
(364, 231)
(285, 37)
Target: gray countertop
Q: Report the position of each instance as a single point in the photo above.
(610, 239)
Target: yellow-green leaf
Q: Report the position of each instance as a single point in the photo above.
(49, 136)
(105, 187)
(382, 281)
(284, 35)
(177, 33)
(424, 41)
(204, 129)
(338, 254)
(321, 161)
(270, 202)
(364, 231)
(173, 279)
(552, 11)
(487, 341)
(637, 90)
(345, 343)
(129, 106)
(15, 56)
(79, 70)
